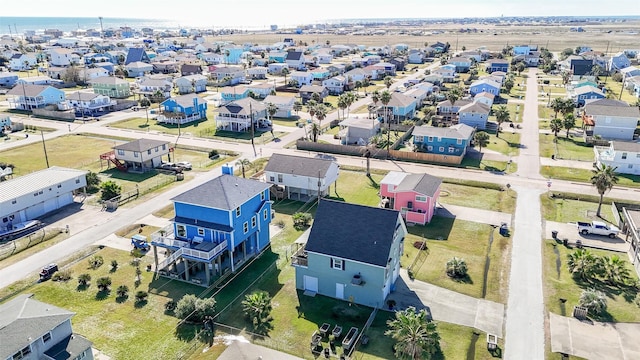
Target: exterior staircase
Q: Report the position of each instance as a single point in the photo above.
(169, 259)
(111, 157)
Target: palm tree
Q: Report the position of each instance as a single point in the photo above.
(342, 104)
(375, 97)
(104, 283)
(285, 72)
(145, 103)
(557, 104)
(567, 107)
(84, 279)
(385, 98)
(122, 291)
(315, 131)
(297, 106)
(582, 263)
(568, 123)
(481, 138)
(257, 309)
(456, 267)
(311, 107)
(604, 178)
(595, 301)
(555, 125)
(614, 270)
(351, 98)
(272, 109)
(388, 80)
(243, 163)
(321, 113)
(416, 336)
(454, 94)
(502, 115)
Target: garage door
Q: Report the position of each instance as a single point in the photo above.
(50, 205)
(311, 283)
(35, 211)
(65, 199)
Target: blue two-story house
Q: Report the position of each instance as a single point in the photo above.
(451, 141)
(497, 65)
(183, 109)
(353, 253)
(218, 226)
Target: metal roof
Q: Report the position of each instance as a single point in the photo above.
(27, 184)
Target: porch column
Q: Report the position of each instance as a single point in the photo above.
(207, 273)
(186, 269)
(155, 256)
(218, 268)
(233, 268)
(244, 249)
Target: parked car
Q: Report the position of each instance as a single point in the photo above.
(184, 164)
(170, 167)
(47, 271)
(140, 242)
(597, 228)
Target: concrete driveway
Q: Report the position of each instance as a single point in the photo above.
(472, 214)
(569, 231)
(594, 340)
(449, 306)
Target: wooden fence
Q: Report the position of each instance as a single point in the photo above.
(62, 115)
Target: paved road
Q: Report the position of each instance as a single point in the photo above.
(525, 307)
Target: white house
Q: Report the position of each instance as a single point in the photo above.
(301, 177)
(302, 77)
(63, 57)
(87, 103)
(33, 330)
(276, 68)
(140, 155)
(19, 62)
(622, 155)
(149, 87)
(283, 103)
(257, 72)
(335, 85)
(355, 130)
(611, 119)
(295, 60)
(191, 83)
(33, 195)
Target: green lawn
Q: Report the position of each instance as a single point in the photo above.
(573, 148)
(560, 284)
(204, 129)
(568, 210)
(614, 88)
(291, 122)
(489, 165)
(118, 328)
(584, 175)
(447, 238)
(507, 143)
(477, 197)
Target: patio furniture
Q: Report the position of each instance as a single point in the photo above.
(324, 329)
(350, 338)
(337, 331)
(315, 339)
(492, 342)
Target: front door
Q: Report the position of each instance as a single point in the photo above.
(339, 291)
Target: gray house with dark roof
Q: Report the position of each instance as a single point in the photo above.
(301, 177)
(218, 226)
(139, 155)
(352, 253)
(295, 60)
(33, 330)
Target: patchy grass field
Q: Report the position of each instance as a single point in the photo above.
(573, 148)
(584, 175)
(560, 284)
(567, 210)
(447, 238)
(507, 143)
(476, 197)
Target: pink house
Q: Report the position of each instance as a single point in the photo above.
(414, 195)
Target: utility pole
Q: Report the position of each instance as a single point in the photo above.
(101, 28)
(46, 157)
(252, 134)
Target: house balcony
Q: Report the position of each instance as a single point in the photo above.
(195, 250)
(416, 216)
(603, 153)
(300, 258)
(177, 118)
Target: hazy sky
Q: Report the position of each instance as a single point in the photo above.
(260, 12)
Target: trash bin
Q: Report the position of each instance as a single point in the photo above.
(565, 242)
(554, 234)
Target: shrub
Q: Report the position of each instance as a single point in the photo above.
(280, 223)
(141, 296)
(192, 308)
(122, 291)
(84, 279)
(595, 301)
(114, 265)
(110, 189)
(456, 267)
(104, 283)
(301, 220)
(63, 275)
(213, 154)
(96, 261)
(170, 306)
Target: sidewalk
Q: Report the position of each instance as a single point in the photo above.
(449, 306)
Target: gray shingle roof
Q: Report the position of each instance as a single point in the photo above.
(83, 96)
(604, 110)
(69, 348)
(629, 146)
(298, 165)
(140, 145)
(24, 320)
(474, 108)
(458, 131)
(294, 55)
(354, 232)
(424, 184)
(225, 192)
(28, 89)
(241, 107)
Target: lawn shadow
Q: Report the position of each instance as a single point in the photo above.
(466, 279)
(102, 294)
(320, 309)
(140, 303)
(438, 229)
(288, 207)
(121, 299)
(114, 173)
(187, 331)
(82, 287)
(373, 184)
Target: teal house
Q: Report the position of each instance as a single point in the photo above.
(111, 86)
(352, 253)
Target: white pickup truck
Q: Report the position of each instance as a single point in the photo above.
(597, 228)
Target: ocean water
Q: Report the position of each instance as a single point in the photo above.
(18, 25)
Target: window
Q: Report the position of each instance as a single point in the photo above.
(459, 141)
(46, 337)
(266, 214)
(272, 179)
(156, 149)
(429, 148)
(245, 227)
(624, 156)
(630, 166)
(337, 264)
(149, 151)
(279, 177)
(421, 198)
(638, 156)
(254, 221)
(181, 230)
(81, 356)
(136, 154)
(262, 195)
(22, 353)
(238, 211)
(164, 146)
(200, 232)
(120, 152)
(441, 148)
(452, 149)
(13, 201)
(59, 186)
(77, 181)
(430, 139)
